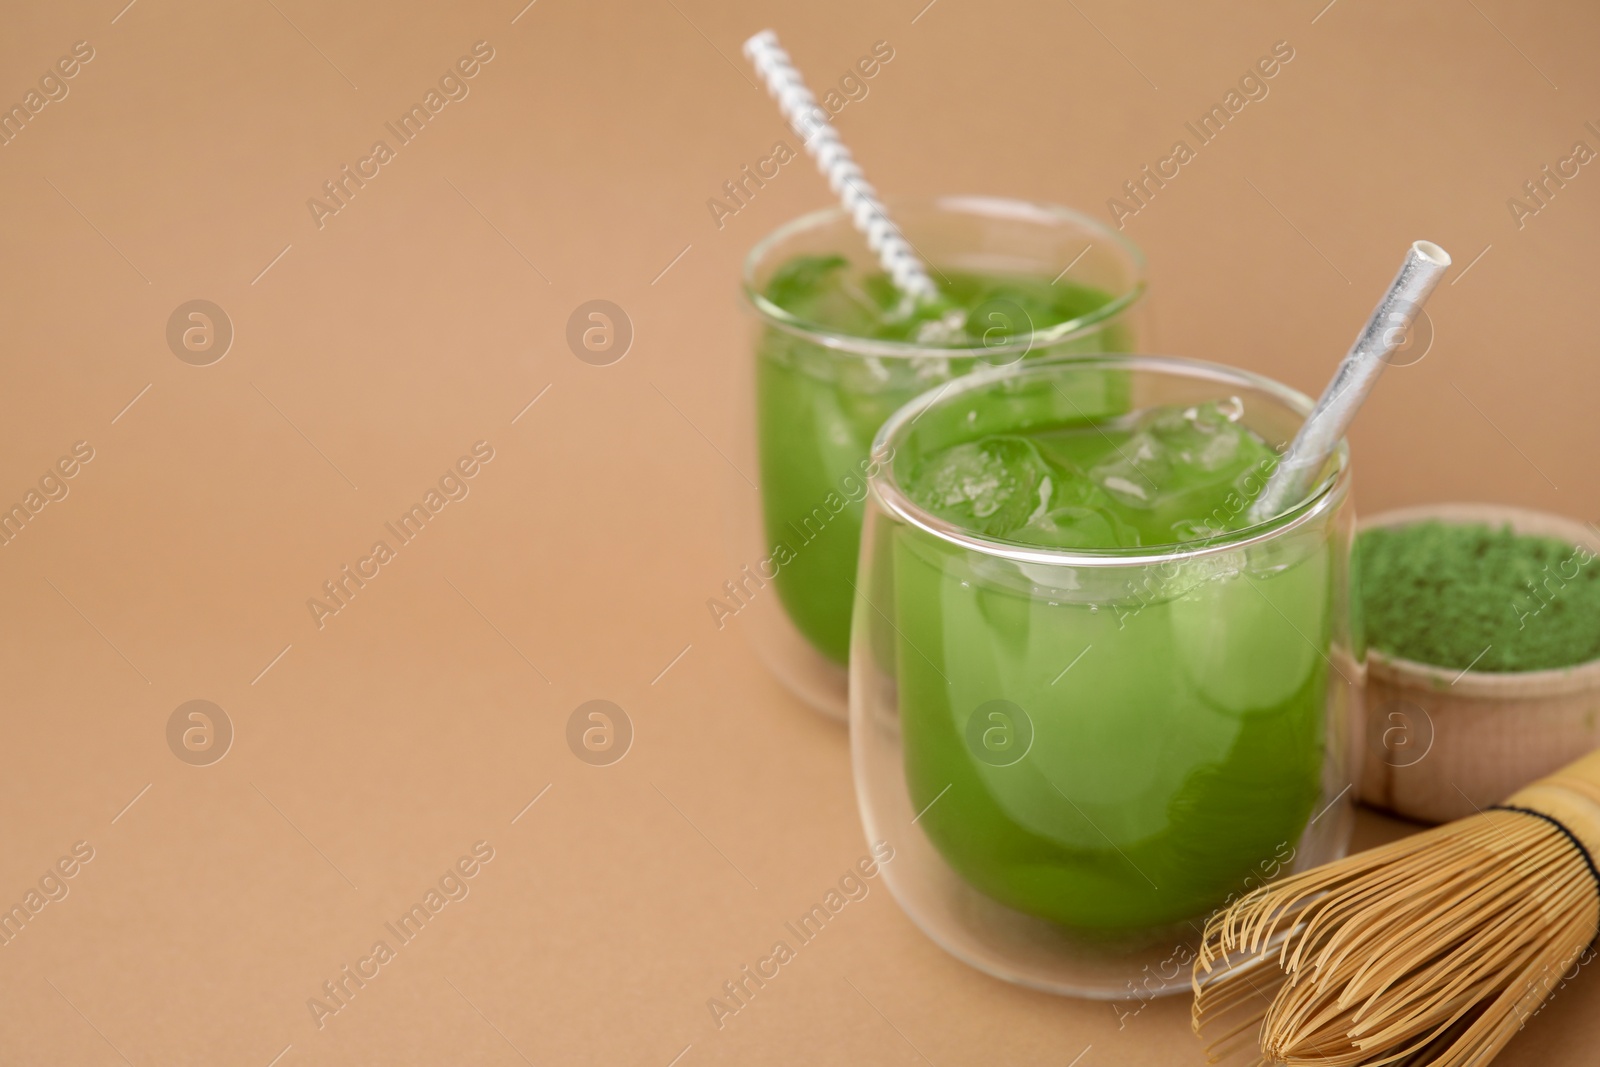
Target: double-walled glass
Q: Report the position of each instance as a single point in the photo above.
(1079, 754)
(820, 396)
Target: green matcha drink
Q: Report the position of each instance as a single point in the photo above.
(817, 414)
(1111, 699)
(840, 349)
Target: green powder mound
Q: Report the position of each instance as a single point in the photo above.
(1442, 593)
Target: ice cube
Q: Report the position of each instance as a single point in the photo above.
(1075, 526)
(1205, 437)
(947, 329)
(993, 485)
(1173, 450)
(1004, 311)
(1134, 474)
(1202, 529)
(820, 289)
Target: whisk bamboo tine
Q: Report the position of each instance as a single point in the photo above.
(1433, 950)
(1411, 940)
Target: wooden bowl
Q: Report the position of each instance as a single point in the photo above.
(1442, 742)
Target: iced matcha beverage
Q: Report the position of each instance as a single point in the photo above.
(1117, 720)
(819, 404)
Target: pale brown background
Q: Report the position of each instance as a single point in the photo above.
(409, 327)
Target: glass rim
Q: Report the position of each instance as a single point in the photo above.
(996, 206)
(887, 492)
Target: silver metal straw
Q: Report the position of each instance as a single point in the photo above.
(1297, 471)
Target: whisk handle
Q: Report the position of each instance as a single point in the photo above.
(1571, 797)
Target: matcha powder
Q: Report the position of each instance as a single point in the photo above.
(1442, 593)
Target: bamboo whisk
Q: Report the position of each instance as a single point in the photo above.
(1432, 950)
